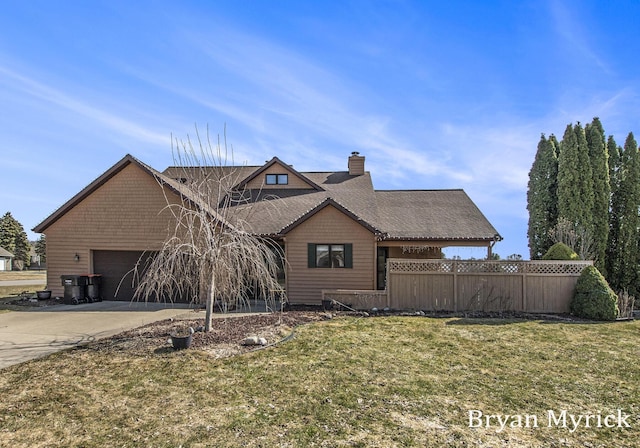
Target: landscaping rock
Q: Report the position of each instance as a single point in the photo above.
(251, 340)
(254, 340)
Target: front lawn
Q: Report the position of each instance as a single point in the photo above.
(391, 381)
(38, 281)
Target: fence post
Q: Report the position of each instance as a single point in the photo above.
(388, 283)
(454, 268)
(525, 271)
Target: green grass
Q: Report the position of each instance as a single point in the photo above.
(348, 382)
(23, 275)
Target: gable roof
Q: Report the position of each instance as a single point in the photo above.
(127, 160)
(274, 160)
(435, 215)
(93, 186)
(5, 253)
(274, 212)
(329, 202)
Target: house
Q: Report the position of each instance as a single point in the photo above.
(335, 229)
(6, 260)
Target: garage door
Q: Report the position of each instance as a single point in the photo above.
(115, 267)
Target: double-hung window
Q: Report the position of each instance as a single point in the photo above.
(329, 255)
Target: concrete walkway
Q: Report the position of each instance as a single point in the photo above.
(26, 335)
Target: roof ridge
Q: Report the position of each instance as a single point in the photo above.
(326, 201)
(420, 189)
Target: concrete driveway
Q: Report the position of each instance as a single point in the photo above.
(26, 335)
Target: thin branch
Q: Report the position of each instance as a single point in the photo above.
(210, 253)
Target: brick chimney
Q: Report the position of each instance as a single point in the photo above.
(356, 164)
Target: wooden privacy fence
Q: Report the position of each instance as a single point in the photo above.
(451, 285)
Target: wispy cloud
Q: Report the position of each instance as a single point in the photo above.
(60, 99)
(297, 105)
(573, 34)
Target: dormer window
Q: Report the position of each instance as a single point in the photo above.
(277, 179)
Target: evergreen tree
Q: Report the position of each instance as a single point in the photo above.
(585, 176)
(14, 239)
(613, 150)
(542, 198)
(624, 254)
(568, 177)
(575, 184)
(601, 191)
(41, 248)
(614, 210)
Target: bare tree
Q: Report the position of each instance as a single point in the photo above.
(210, 254)
(575, 236)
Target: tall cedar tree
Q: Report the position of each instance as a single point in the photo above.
(41, 248)
(14, 239)
(575, 185)
(626, 203)
(601, 191)
(614, 210)
(541, 197)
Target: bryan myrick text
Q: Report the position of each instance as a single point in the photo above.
(561, 419)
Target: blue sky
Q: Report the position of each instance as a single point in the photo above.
(434, 94)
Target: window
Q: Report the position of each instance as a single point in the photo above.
(277, 179)
(330, 255)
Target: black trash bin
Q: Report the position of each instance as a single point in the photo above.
(93, 287)
(74, 289)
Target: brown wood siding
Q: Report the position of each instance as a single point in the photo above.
(294, 181)
(126, 213)
(305, 285)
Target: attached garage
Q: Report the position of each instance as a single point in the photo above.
(106, 227)
(116, 268)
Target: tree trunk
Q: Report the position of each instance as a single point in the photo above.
(208, 320)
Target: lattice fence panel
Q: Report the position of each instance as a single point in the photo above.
(488, 266)
(410, 266)
(480, 266)
(559, 267)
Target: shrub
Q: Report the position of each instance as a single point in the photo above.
(560, 251)
(594, 299)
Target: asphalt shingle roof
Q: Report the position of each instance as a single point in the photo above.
(431, 214)
(393, 214)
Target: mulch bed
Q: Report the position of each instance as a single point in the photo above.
(17, 303)
(225, 339)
